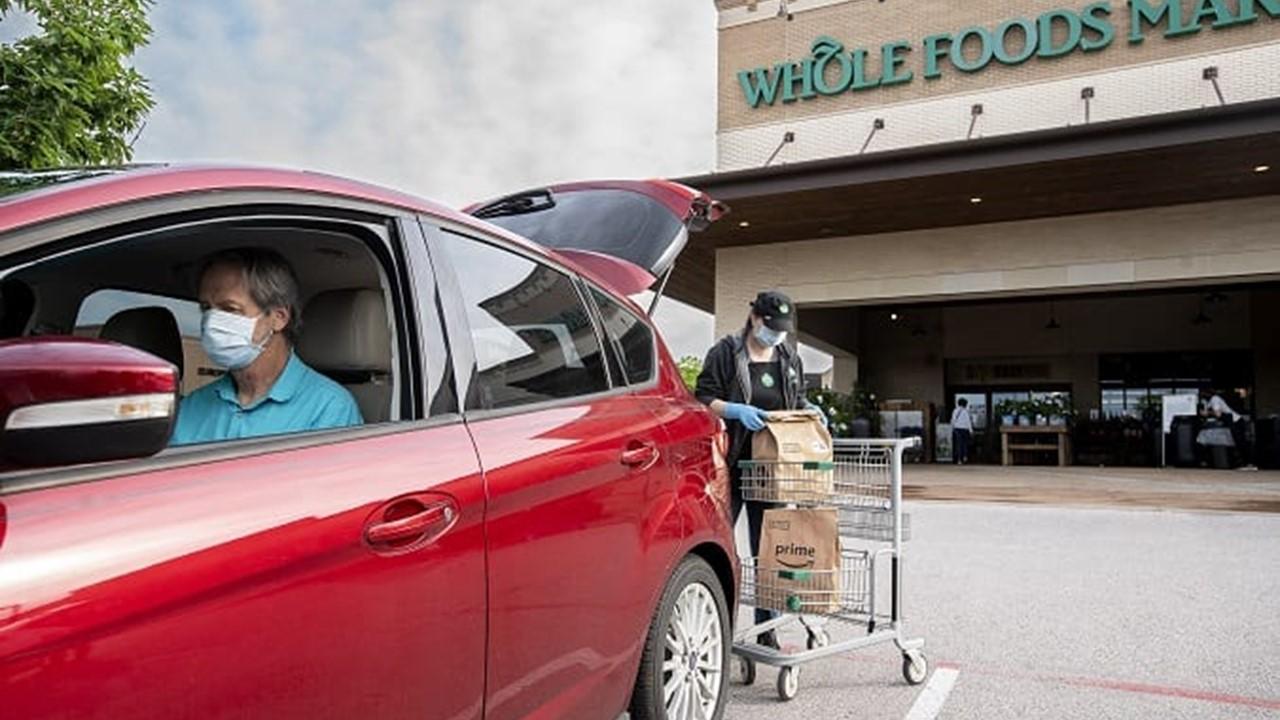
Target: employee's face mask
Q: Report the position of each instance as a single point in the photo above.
(769, 337)
(227, 337)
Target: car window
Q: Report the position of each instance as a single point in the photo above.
(633, 337)
(101, 306)
(534, 339)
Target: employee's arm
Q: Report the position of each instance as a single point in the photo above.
(718, 407)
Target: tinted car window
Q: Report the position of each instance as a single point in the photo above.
(633, 337)
(533, 337)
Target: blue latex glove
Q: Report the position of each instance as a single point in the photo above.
(750, 416)
(826, 422)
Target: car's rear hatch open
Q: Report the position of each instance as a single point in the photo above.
(643, 222)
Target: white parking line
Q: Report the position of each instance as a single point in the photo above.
(929, 703)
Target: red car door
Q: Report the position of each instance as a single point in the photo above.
(247, 587)
(572, 467)
(330, 575)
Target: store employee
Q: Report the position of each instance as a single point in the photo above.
(745, 376)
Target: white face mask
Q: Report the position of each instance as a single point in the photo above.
(228, 339)
(769, 337)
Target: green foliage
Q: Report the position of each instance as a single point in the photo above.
(67, 94)
(1055, 406)
(690, 367)
(842, 409)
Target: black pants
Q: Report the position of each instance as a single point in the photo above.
(960, 440)
(755, 524)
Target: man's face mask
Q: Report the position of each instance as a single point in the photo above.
(769, 337)
(228, 339)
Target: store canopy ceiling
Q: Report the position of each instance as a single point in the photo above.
(1185, 157)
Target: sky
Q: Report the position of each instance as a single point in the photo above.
(455, 100)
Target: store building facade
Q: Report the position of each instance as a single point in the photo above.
(1003, 200)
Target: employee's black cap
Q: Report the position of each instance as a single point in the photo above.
(776, 309)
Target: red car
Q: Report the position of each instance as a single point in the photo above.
(529, 523)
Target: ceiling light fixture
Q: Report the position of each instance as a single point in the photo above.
(1053, 323)
(975, 200)
(893, 317)
(744, 223)
(1201, 317)
(1261, 168)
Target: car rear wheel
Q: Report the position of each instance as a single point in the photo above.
(684, 670)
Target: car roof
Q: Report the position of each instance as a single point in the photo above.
(64, 193)
(91, 189)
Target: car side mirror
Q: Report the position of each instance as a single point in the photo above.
(66, 401)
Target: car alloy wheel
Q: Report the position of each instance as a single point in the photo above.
(693, 660)
(684, 669)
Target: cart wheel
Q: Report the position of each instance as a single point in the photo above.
(915, 668)
(747, 670)
(818, 638)
(788, 683)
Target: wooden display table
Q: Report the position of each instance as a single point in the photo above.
(1024, 438)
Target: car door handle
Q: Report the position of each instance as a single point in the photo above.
(410, 523)
(642, 455)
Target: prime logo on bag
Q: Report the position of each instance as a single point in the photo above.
(799, 565)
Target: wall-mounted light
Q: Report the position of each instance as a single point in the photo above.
(876, 126)
(1210, 74)
(974, 112)
(788, 137)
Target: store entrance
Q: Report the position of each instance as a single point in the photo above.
(990, 406)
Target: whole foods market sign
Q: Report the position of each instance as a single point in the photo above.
(831, 69)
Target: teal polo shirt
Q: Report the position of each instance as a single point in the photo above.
(300, 400)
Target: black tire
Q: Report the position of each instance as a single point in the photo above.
(646, 698)
(747, 667)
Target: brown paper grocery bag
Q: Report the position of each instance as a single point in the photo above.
(797, 452)
(798, 570)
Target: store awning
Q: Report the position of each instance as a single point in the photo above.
(1193, 156)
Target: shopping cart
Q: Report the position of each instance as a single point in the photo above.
(864, 484)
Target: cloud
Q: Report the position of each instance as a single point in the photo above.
(456, 100)
(453, 100)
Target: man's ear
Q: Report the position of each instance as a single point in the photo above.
(279, 318)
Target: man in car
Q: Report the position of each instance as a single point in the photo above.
(250, 301)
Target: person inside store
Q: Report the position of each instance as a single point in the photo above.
(1220, 415)
(745, 376)
(961, 432)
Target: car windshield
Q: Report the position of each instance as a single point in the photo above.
(18, 182)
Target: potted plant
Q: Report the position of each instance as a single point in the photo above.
(1007, 411)
(849, 415)
(1026, 412)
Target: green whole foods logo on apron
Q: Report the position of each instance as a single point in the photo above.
(831, 70)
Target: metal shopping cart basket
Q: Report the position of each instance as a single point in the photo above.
(864, 484)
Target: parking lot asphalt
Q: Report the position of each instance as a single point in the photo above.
(1037, 611)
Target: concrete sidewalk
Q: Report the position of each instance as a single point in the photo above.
(1118, 487)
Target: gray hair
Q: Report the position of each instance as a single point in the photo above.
(270, 278)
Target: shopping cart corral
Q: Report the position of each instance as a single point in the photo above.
(864, 484)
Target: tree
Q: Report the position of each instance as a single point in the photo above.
(690, 367)
(67, 94)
